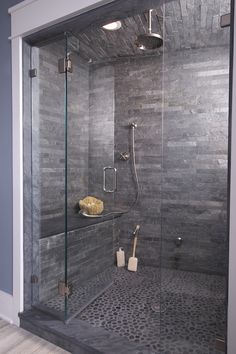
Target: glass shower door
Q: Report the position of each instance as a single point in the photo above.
(91, 178)
(105, 97)
(48, 177)
(125, 96)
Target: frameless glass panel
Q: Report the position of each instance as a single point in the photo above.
(114, 154)
(91, 176)
(48, 176)
(194, 177)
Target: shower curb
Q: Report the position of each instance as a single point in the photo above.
(78, 336)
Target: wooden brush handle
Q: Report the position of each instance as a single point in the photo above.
(135, 244)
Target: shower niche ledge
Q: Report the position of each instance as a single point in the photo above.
(56, 225)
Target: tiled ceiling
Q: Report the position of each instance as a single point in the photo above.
(184, 24)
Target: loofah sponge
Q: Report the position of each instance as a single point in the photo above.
(91, 206)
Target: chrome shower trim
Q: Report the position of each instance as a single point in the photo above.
(133, 125)
(124, 156)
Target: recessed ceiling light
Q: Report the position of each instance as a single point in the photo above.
(113, 26)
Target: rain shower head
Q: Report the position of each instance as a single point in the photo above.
(150, 40)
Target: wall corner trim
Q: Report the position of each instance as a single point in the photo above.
(19, 6)
(6, 307)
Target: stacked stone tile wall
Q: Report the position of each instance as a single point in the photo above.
(51, 117)
(181, 109)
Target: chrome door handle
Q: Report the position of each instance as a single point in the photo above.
(105, 169)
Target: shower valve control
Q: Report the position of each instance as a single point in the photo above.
(178, 241)
(133, 125)
(124, 156)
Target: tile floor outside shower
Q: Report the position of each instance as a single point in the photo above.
(169, 312)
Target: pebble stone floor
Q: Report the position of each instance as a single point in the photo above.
(169, 312)
(192, 308)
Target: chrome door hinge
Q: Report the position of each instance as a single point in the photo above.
(34, 279)
(32, 73)
(64, 65)
(65, 290)
(225, 20)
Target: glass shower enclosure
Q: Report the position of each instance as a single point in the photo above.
(145, 132)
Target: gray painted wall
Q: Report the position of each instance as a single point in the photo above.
(6, 274)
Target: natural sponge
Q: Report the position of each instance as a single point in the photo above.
(91, 205)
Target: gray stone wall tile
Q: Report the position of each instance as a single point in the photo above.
(181, 155)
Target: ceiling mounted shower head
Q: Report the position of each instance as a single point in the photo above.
(150, 40)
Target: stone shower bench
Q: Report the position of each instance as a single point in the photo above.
(56, 225)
